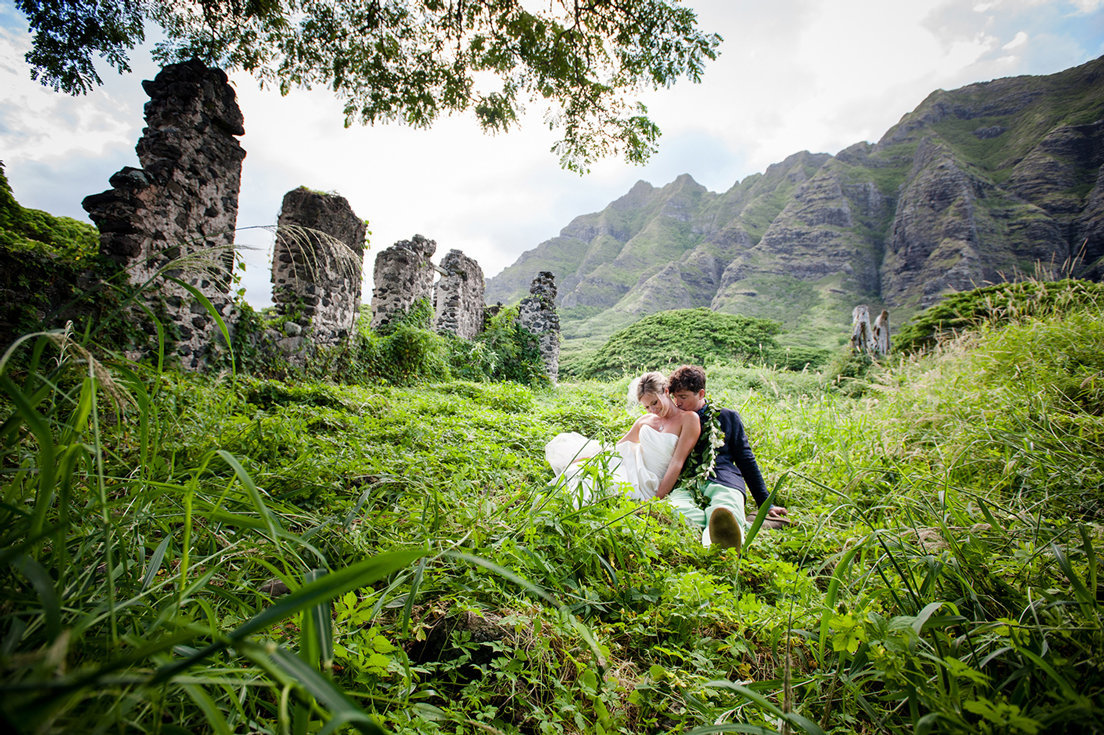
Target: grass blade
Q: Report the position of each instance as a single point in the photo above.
(343, 710)
(328, 587)
(44, 586)
(210, 710)
(763, 510)
(808, 726)
(156, 558)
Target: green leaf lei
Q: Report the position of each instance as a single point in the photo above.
(699, 465)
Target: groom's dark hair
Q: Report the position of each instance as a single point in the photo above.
(687, 377)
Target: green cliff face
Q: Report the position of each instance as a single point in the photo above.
(985, 184)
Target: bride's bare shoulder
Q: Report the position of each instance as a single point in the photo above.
(690, 421)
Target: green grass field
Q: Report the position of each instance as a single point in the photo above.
(228, 554)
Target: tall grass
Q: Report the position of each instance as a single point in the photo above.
(942, 573)
(128, 595)
(963, 499)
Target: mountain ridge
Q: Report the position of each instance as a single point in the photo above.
(989, 182)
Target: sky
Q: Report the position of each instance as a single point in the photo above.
(792, 75)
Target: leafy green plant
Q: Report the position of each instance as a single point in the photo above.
(671, 338)
(510, 352)
(994, 305)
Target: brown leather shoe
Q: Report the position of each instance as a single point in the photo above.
(770, 523)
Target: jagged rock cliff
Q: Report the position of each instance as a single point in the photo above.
(991, 182)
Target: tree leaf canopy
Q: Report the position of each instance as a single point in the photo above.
(409, 61)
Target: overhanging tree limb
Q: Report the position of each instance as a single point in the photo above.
(409, 61)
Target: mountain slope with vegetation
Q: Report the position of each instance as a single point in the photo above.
(988, 183)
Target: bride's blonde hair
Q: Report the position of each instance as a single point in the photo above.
(653, 382)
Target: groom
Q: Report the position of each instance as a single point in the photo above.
(715, 501)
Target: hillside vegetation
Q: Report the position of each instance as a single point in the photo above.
(672, 338)
(226, 553)
(41, 259)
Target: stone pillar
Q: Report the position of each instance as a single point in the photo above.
(459, 301)
(862, 338)
(537, 314)
(176, 215)
(317, 268)
(881, 333)
(403, 275)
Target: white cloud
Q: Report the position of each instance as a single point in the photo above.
(1019, 40)
(36, 123)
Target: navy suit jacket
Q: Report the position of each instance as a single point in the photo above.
(735, 465)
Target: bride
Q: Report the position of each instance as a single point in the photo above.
(648, 458)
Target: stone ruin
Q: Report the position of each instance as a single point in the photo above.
(176, 217)
(403, 276)
(459, 302)
(317, 268)
(880, 332)
(537, 313)
(867, 339)
(176, 214)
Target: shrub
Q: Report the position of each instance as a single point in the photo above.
(409, 355)
(1000, 304)
(796, 358)
(847, 371)
(420, 316)
(671, 338)
(43, 265)
(512, 351)
(31, 230)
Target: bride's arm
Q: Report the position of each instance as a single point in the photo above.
(688, 437)
(633, 434)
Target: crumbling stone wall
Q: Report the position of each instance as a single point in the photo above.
(403, 275)
(317, 266)
(177, 213)
(537, 313)
(459, 302)
(862, 336)
(880, 333)
(866, 338)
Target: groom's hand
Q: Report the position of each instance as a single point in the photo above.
(777, 511)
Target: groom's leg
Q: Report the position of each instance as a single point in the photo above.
(728, 497)
(685, 505)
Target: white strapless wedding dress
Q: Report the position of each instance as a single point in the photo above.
(639, 465)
